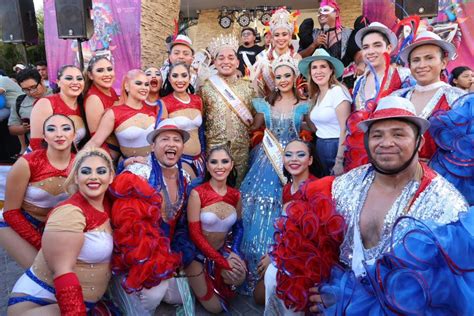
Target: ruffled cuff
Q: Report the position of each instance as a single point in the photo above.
(427, 270)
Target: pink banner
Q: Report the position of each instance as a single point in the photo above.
(454, 23)
(116, 34)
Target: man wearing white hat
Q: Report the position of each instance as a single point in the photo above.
(427, 56)
(373, 199)
(374, 41)
(156, 183)
(180, 50)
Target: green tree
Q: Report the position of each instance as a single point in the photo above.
(10, 54)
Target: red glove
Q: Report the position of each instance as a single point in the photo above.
(69, 295)
(18, 222)
(201, 242)
(36, 143)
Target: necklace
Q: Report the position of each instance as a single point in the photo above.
(429, 87)
(181, 100)
(172, 210)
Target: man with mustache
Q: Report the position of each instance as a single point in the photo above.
(380, 242)
(151, 195)
(406, 231)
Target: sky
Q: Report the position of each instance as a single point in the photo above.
(38, 4)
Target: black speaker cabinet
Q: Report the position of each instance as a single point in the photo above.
(74, 19)
(422, 8)
(18, 21)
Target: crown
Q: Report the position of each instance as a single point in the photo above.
(281, 18)
(286, 60)
(221, 42)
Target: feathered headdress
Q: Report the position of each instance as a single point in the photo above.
(282, 18)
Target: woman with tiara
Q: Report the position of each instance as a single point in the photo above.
(282, 113)
(283, 25)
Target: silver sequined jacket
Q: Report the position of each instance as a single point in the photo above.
(439, 202)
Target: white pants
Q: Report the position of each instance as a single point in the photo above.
(273, 305)
(146, 301)
(167, 291)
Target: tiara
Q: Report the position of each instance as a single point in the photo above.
(221, 42)
(286, 60)
(281, 18)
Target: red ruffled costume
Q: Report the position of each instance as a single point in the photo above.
(141, 251)
(298, 195)
(307, 243)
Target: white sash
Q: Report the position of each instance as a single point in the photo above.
(274, 152)
(232, 100)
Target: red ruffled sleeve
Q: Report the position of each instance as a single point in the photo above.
(355, 154)
(307, 244)
(141, 251)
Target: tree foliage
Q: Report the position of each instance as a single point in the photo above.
(10, 54)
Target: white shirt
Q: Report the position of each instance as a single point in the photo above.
(323, 115)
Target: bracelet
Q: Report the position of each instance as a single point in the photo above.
(340, 158)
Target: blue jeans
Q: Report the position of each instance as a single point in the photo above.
(326, 151)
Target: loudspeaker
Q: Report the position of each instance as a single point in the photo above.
(18, 21)
(422, 8)
(74, 19)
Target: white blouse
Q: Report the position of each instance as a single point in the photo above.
(323, 115)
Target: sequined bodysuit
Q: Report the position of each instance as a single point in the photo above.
(224, 127)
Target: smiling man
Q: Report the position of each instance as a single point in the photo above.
(383, 252)
(428, 56)
(374, 41)
(227, 104)
(155, 188)
(180, 50)
(332, 36)
(403, 260)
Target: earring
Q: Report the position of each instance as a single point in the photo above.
(276, 89)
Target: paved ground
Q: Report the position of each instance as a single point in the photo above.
(10, 272)
(241, 305)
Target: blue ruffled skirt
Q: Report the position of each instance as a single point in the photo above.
(429, 271)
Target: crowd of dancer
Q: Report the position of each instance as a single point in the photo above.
(277, 180)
